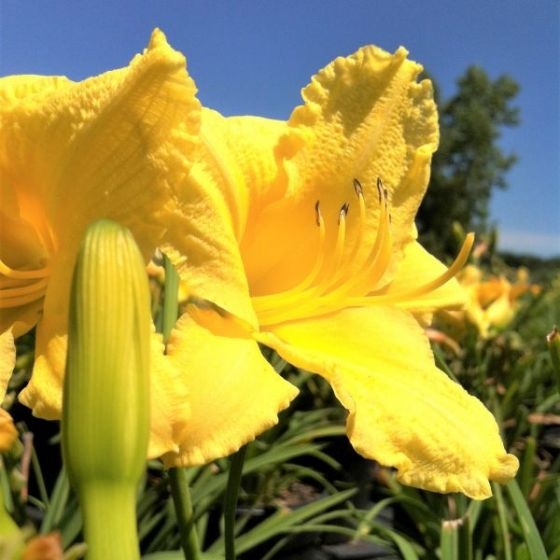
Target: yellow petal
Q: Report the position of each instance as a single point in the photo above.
(107, 146)
(170, 409)
(113, 146)
(13, 89)
(236, 163)
(404, 412)
(234, 394)
(7, 361)
(364, 117)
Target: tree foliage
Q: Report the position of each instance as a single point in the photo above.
(469, 163)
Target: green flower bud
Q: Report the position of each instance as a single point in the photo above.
(105, 425)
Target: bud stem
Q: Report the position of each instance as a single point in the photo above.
(109, 512)
(105, 419)
(178, 476)
(230, 502)
(183, 509)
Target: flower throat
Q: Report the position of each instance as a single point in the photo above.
(327, 288)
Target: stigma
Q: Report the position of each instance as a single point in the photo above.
(330, 286)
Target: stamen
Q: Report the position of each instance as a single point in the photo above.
(431, 286)
(24, 297)
(362, 220)
(340, 237)
(282, 306)
(21, 300)
(264, 303)
(362, 207)
(343, 211)
(9, 282)
(9, 293)
(358, 187)
(380, 189)
(318, 217)
(377, 261)
(23, 274)
(20, 287)
(327, 289)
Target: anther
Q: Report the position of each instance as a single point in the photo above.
(343, 211)
(358, 187)
(318, 213)
(380, 189)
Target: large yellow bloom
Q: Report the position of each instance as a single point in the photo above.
(70, 153)
(288, 238)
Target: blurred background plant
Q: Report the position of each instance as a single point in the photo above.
(304, 493)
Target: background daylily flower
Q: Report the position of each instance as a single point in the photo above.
(289, 239)
(70, 153)
(491, 302)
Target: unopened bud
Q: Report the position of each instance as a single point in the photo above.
(106, 389)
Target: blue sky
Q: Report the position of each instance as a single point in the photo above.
(253, 57)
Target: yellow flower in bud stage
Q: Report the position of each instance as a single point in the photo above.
(491, 303)
(112, 147)
(289, 239)
(105, 420)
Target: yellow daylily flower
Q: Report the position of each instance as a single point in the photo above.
(111, 146)
(492, 302)
(288, 238)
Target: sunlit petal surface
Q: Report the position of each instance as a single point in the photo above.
(113, 146)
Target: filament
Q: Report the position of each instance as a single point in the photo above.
(431, 286)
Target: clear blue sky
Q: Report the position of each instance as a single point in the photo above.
(252, 57)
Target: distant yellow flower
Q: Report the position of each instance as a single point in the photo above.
(70, 153)
(491, 303)
(289, 239)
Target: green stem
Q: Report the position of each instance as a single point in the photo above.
(177, 476)
(230, 505)
(170, 299)
(184, 512)
(109, 512)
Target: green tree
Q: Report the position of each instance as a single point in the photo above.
(469, 164)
